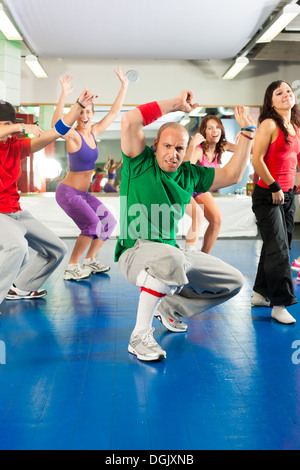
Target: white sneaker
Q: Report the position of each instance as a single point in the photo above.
(258, 300)
(144, 346)
(280, 314)
(17, 294)
(75, 272)
(176, 326)
(95, 266)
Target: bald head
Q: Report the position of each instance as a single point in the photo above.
(173, 125)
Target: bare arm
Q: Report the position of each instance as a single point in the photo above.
(194, 153)
(50, 136)
(116, 107)
(6, 130)
(118, 164)
(132, 135)
(107, 164)
(233, 171)
(229, 147)
(266, 134)
(67, 88)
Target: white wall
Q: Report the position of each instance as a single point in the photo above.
(158, 80)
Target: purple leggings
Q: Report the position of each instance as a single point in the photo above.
(88, 213)
(109, 188)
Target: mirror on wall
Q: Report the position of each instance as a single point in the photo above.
(50, 165)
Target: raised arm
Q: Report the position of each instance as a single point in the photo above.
(115, 167)
(50, 136)
(194, 153)
(233, 171)
(134, 121)
(67, 88)
(114, 111)
(107, 163)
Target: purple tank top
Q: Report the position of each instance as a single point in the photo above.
(85, 158)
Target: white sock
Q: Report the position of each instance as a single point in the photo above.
(191, 248)
(19, 291)
(147, 307)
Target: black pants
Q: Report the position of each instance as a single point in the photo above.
(276, 224)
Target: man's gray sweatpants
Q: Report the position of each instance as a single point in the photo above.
(19, 231)
(201, 281)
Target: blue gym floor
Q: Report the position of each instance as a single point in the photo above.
(231, 382)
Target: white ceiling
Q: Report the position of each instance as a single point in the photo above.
(146, 29)
(139, 29)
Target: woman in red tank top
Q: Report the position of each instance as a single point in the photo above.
(275, 156)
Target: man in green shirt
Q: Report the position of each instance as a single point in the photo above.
(156, 187)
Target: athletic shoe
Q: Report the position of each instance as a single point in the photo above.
(95, 266)
(258, 300)
(176, 326)
(298, 277)
(17, 294)
(295, 266)
(280, 314)
(74, 272)
(144, 346)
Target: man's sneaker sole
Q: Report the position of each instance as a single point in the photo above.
(158, 357)
(104, 270)
(71, 278)
(169, 326)
(32, 295)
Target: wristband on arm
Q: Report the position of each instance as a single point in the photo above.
(62, 128)
(275, 187)
(150, 112)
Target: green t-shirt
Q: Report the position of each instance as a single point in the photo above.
(153, 201)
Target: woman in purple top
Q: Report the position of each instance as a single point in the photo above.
(213, 142)
(111, 167)
(88, 212)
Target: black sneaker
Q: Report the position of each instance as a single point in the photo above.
(14, 295)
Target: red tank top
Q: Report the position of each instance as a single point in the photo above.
(281, 160)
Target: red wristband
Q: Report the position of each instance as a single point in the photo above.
(248, 137)
(150, 112)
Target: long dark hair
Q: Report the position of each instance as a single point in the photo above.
(268, 112)
(220, 145)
